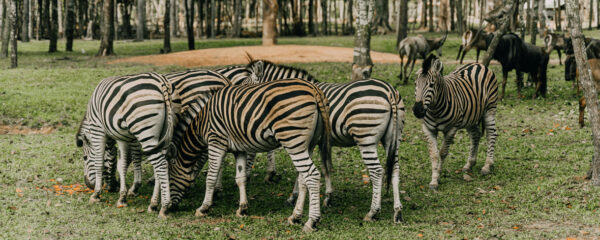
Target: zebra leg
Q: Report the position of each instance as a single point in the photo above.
(412, 66)
(240, 179)
(490, 127)
(371, 161)
(294, 195)
(155, 194)
(271, 171)
(396, 189)
(434, 156)
(310, 178)
(216, 153)
(219, 184)
(475, 137)
(98, 147)
(161, 183)
(300, 187)
(401, 67)
(122, 165)
(136, 158)
(250, 158)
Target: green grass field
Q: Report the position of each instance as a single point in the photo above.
(536, 190)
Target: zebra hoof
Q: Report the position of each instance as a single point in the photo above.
(152, 207)
(398, 217)
(486, 171)
(433, 187)
(202, 211)
(327, 200)
(292, 199)
(163, 214)
(94, 199)
(242, 211)
(294, 219)
(131, 193)
(121, 204)
(371, 216)
(309, 227)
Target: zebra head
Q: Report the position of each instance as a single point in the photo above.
(425, 82)
(256, 69)
(110, 158)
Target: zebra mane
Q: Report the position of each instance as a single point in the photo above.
(269, 63)
(428, 63)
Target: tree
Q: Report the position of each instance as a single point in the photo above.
(54, 27)
(211, 21)
(237, 23)
(499, 18)
(324, 29)
(430, 14)
(402, 26)
(311, 18)
(46, 18)
(541, 15)
(25, 21)
(348, 15)
(297, 25)
(443, 15)
(13, 33)
(70, 24)
(362, 64)
(533, 23)
(167, 25)
(381, 23)
(588, 85)
(5, 29)
(189, 23)
(125, 9)
(591, 14)
(107, 29)
(269, 36)
(459, 17)
(424, 14)
(141, 20)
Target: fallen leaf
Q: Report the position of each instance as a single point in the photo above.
(242, 226)
(18, 190)
(280, 194)
(419, 235)
(515, 228)
(448, 231)
(467, 178)
(257, 217)
(483, 212)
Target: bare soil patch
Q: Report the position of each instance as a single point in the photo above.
(237, 56)
(24, 130)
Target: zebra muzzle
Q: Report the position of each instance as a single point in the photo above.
(419, 110)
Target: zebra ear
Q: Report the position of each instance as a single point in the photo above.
(438, 66)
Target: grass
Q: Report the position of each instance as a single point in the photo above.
(535, 192)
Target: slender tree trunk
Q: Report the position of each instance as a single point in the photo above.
(167, 25)
(46, 18)
(189, 23)
(238, 18)
(141, 21)
(13, 33)
(92, 16)
(443, 15)
(324, 29)
(541, 15)
(452, 8)
(107, 29)
(173, 18)
(311, 18)
(430, 16)
(591, 14)
(482, 11)
(126, 18)
(424, 14)
(460, 17)
(349, 13)
(269, 36)
(362, 64)
(54, 27)
(533, 29)
(5, 34)
(588, 85)
(200, 25)
(213, 15)
(70, 24)
(61, 29)
(402, 16)
(381, 22)
(25, 21)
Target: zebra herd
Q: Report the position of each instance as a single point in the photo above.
(180, 121)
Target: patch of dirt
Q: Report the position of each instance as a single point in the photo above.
(23, 130)
(237, 56)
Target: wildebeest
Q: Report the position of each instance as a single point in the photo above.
(417, 47)
(595, 67)
(513, 53)
(592, 51)
(472, 39)
(555, 41)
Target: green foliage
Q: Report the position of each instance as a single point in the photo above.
(534, 192)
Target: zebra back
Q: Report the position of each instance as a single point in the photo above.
(264, 71)
(235, 74)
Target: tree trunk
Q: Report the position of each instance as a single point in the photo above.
(126, 18)
(443, 15)
(381, 24)
(361, 63)
(25, 22)
(430, 15)
(541, 15)
(141, 21)
(482, 11)
(311, 18)
(297, 24)
(61, 29)
(533, 25)
(424, 14)
(107, 29)
(189, 23)
(460, 17)
(167, 25)
(70, 24)
(238, 18)
(402, 16)
(12, 21)
(269, 35)
(54, 27)
(452, 8)
(504, 24)
(200, 26)
(350, 27)
(588, 85)
(46, 18)
(5, 29)
(591, 14)
(173, 18)
(211, 20)
(324, 29)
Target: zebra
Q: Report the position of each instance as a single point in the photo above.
(363, 113)
(292, 113)
(465, 98)
(131, 110)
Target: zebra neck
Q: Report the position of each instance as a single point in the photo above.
(440, 96)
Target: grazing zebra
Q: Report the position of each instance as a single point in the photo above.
(131, 110)
(258, 118)
(363, 113)
(465, 98)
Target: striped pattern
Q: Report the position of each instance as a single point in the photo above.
(465, 98)
(258, 118)
(363, 113)
(131, 110)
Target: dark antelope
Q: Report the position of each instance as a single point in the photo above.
(472, 39)
(417, 47)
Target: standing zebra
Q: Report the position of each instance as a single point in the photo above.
(363, 113)
(465, 98)
(257, 118)
(131, 110)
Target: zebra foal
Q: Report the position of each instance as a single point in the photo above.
(465, 98)
(134, 110)
(258, 118)
(363, 113)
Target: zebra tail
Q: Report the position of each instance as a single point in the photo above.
(325, 143)
(393, 149)
(167, 90)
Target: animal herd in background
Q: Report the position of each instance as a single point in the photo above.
(180, 121)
